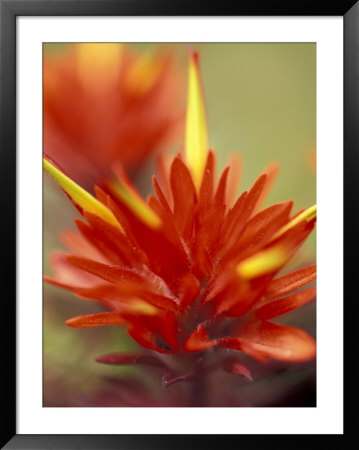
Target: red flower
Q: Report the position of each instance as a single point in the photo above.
(189, 272)
(104, 102)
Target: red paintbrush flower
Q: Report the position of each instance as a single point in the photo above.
(105, 102)
(188, 272)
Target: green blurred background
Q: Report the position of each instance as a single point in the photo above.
(261, 102)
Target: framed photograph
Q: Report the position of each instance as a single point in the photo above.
(162, 253)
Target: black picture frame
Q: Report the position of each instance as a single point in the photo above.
(9, 10)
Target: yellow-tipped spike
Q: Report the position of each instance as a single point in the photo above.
(135, 203)
(98, 64)
(196, 143)
(262, 263)
(307, 215)
(81, 197)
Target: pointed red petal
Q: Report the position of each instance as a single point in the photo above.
(104, 247)
(237, 343)
(237, 217)
(101, 195)
(184, 197)
(161, 196)
(198, 340)
(168, 225)
(297, 213)
(235, 164)
(273, 257)
(117, 358)
(254, 194)
(108, 294)
(113, 274)
(146, 338)
(259, 230)
(263, 225)
(155, 332)
(220, 197)
(272, 171)
(126, 193)
(207, 237)
(234, 365)
(295, 236)
(96, 320)
(206, 189)
(111, 236)
(286, 304)
(279, 341)
(127, 358)
(129, 285)
(77, 243)
(290, 282)
(238, 297)
(162, 173)
(161, 255)
(126, 225)
(68, 276)
(232, 219)
(190, 288)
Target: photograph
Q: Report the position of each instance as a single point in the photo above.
(179, 224)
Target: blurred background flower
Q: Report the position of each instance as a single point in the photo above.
(261, 103)
(104, 102)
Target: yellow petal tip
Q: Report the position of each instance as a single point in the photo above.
(81, 197)
(139, 306)
(135, 203)
(196, 140)
(308, 215)
(262, 263)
